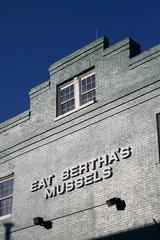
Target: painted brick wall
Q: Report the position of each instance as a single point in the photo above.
(35, 145)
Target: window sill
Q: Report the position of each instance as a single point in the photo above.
(74, 110)
(5, 216)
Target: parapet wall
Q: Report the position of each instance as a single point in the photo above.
(66, 168)
(119, 72)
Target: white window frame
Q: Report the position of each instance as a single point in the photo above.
(61, 88)
(3, 179)
(77, 94)
(84, 76)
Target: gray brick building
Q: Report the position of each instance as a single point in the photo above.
(83, 162)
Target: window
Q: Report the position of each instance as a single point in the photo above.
(6, 196)
(78, 92)
(67, 101)
(88, 88)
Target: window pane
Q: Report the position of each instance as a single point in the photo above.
(66, 93)
(88, 84)
(89, 96)
(83, 82)
(5, 206)
(6, 188)
(68, 106)
(6, 192)
(66, 98)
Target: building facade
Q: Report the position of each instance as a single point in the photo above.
(83, 162)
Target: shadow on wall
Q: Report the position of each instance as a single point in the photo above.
(8, 227)
(146, 233)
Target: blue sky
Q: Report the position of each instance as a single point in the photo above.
(37, 33)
